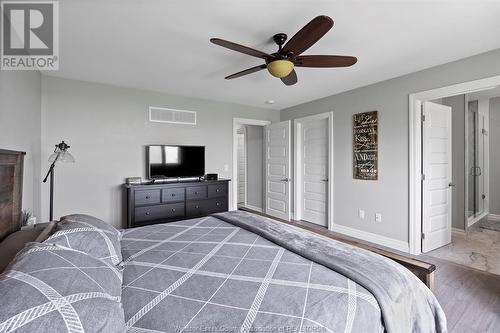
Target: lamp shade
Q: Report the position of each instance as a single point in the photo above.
(280, 68)
(62, 156)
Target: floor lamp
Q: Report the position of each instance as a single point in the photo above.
(60, 154)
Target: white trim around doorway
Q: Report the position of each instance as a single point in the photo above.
(297, 191)
(233, 198)
(415, 148)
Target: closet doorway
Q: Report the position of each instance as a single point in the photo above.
(251, 167)
(248, 181)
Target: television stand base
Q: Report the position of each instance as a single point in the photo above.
(167, 202)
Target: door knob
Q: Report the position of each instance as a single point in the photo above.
(324, 180)
(451, 184)
(285, 180)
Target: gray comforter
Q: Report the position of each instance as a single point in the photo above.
(407, 304)
(237, 272)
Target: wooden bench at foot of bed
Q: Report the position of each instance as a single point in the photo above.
(423, 270)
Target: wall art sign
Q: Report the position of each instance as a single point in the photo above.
(365, 145)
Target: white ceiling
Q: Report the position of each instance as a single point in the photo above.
(163, 45)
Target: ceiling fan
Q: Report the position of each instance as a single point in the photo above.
(281, 64)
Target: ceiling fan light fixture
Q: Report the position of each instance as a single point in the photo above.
(280, 68)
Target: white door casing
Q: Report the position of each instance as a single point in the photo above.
(437, 170)
(314, 171)
(278, 161)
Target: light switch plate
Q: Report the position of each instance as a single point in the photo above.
(378, 217)
(361, 214)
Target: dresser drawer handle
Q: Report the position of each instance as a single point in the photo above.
(196, 206)
(195, 193)
(173, 194)
(218, 190)
(218, 203)
(148, 213)
(148, 197)
(173, 210)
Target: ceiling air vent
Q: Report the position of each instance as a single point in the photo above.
(164, 115)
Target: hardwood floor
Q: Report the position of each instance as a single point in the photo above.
(469, 297)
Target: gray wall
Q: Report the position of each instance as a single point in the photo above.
(457, 104)
(255, 165)
(20, 127)
(388, 195)
(107, 128)
(495, 156)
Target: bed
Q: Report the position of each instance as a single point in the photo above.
(229, 272)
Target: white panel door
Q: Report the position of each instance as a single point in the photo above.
(278, 160)
(242, 167)
(314, 168)
(437, 168)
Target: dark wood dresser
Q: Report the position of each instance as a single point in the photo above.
(168, 202)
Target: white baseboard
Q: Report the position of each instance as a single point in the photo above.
(471, 222)
(458, 231)
(257, 209)
(494, 217)
(372, 238)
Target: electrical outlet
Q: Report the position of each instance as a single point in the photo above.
(378, 217)
(361, 214)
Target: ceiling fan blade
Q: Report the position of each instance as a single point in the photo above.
(308, 35)
(245, 72)
(291, 79)
(325, 61)
(240, 48)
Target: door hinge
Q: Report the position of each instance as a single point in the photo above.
(423, 118)
(423, 236)
(483, 196)
(422, 176)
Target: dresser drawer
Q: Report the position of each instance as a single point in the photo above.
(196, 192)
(196, 208)
(159, 212)
(147, 197)
(172, 194)
(216, 205)
(217, 190)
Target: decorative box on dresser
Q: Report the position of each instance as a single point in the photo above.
(168, 202)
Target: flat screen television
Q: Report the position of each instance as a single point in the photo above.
(164, 161)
